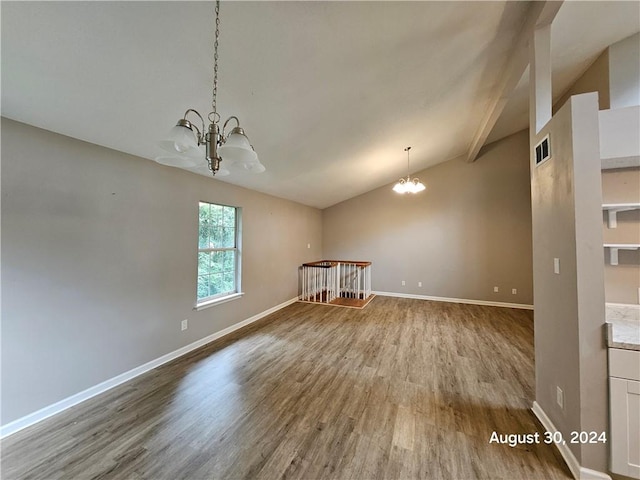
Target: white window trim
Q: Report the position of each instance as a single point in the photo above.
(208, 301)
(217, 301)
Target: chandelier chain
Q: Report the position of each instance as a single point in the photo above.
(215, 61)
(408, 171)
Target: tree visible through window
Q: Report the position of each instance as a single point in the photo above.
(217, 251)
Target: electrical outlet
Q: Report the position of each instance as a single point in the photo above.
(403, 283)
(419, 284)
(308, 245)
(496, 289)
(184, 324)
(560, 397)
(556, 266)
(514, 291)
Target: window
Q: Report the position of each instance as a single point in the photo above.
(218, 252)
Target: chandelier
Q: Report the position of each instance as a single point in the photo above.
(185, 139)
(406, 185)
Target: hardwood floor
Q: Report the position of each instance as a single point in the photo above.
(402, 389)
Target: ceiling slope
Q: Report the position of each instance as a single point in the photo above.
(580, 32)
(330, 93)
(540, 14)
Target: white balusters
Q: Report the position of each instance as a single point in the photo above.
(327, 281)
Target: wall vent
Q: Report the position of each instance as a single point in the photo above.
(543, 150)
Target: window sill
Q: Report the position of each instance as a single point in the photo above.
(218, 301)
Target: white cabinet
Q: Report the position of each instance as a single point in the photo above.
(624, 398)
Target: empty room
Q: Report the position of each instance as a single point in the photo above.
(320, 240)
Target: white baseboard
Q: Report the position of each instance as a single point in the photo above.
(46, 412)
(522, 306)
(578, 472)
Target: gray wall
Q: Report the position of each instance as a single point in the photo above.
(99, 262)
(468, 232)
(614, 75)
(594, 79)
(625, 72)
(569, 306)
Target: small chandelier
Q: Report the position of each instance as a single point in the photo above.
(184, 140)
(407, 185)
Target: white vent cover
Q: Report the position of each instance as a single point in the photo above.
(543, 150)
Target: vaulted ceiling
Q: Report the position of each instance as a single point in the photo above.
(329, 93)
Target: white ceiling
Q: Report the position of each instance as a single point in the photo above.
(580, 32)
(330, 93)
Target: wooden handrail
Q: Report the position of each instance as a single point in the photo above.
(321, 264)
(333, 263)
(359, 263)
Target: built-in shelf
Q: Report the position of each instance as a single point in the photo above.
(620, 162)
(614, 247)
(612, 210)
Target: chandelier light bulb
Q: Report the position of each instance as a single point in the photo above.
(181, 140)
(400, 186)
(180, 147)
(237, 148)
(407, 185)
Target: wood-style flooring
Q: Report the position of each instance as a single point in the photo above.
(404, 389)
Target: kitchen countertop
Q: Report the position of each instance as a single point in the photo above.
(623, 327)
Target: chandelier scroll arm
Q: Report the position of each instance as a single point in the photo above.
(224, 127)
(199, 132)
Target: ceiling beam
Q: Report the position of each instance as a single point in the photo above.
(540, 14)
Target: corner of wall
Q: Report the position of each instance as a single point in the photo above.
(568, 276)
